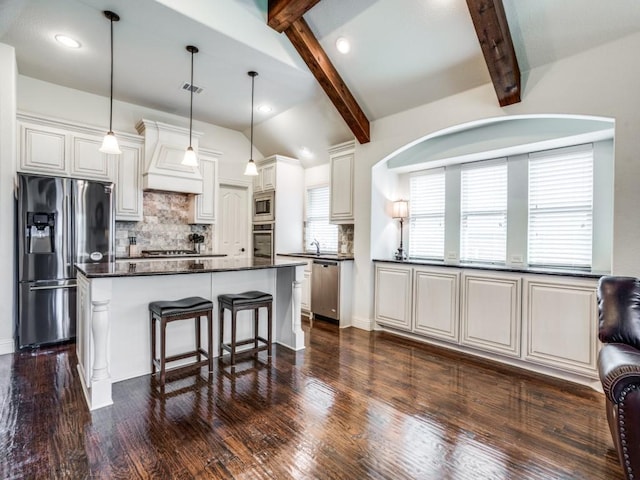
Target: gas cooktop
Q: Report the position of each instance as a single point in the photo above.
(168, 253)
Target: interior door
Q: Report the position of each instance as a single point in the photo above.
(233, 230)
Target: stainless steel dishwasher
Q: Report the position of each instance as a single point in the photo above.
(325, 289)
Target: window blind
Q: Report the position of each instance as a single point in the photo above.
(483, 208)
(317, 222)
(426, 214)
(561, 207)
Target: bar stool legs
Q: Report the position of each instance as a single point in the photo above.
(253, 300)
(165, 312)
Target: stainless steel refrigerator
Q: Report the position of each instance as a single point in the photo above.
(60, 222)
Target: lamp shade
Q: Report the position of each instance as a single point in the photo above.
(190, 159)
(110, 144)
(400, 209)
(251, 169)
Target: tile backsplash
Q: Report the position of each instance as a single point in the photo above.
(164, 225)
(345, 239)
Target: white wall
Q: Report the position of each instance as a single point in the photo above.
(8, 74)
(319, 175)
(601, 82)
(48, 99)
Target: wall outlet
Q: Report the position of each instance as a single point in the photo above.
(452, 255)
(517, 259)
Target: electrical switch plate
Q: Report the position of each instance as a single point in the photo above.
(516, 259)
(452, 256)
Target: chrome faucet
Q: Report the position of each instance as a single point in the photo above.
(317, 245)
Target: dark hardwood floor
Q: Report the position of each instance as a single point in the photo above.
(353, 405)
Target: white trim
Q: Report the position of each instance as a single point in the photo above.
(362, 323)
(7, 346)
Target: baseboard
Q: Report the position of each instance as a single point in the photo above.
(7, 345)
(362, 323)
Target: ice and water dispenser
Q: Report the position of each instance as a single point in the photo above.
(40, 232)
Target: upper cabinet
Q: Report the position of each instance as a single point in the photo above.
(54, 147)
(266, 178)
(202, 207)
(341, 159)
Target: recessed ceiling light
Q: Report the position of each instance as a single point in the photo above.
(67, 41)
(264, 109)
(343, 45)
(305, 152)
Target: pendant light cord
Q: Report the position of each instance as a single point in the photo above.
(253, 80)
(191, 104)
(111, 87)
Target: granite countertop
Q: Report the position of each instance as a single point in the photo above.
(183, 257)
(500, 268)
(322, 256)
(144, 267)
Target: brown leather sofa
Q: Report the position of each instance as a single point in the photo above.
(619, 365)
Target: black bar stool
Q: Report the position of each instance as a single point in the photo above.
(170, 311)
(253, 300)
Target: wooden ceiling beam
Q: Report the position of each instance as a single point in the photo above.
(492, 29)
(282, 13)
(305, 42)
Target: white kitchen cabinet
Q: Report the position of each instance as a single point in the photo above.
(42, 149)
(561, 318)
(87, 161)
(436, 303)
(266, 178)
(128, 180)
(392, 303)
(305, 302)
(491, 316)
(202, 207)
(341, 162)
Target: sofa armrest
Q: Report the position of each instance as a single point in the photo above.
(618, 367)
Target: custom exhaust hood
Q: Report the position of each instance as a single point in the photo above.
(164, 147)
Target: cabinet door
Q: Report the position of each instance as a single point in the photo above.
(561, 324)
(491, 313)
(202, 207)
(269, 177)
(436, 307)
(393, 296)
(306, 291)
(87, 161)
(42, 149)
(342, 188)
(257, 181)
(128, 182)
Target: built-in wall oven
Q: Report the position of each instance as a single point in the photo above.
(263, 241)
(264, 207)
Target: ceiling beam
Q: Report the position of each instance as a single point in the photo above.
(282, 13)
(302, 38)
(492, 28)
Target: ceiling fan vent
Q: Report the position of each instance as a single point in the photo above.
(186, 86)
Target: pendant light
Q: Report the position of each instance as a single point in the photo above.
(190, 159)
(251, 169)
(110, 142)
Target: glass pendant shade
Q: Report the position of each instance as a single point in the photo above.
(110, 144)
(190, 159)
(251, 169)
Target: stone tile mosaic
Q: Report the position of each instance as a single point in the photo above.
(164, 225)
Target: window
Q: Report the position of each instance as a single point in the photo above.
(483, 208)
(561, 207)
(426, 215)
(317, 225)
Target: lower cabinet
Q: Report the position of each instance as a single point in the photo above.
(393, 296)
(306, 289)
(561, 320)
(437, 305)
(547, 323)
(491, 313)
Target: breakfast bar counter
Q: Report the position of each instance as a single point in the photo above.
(113, 327)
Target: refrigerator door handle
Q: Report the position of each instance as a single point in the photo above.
(67, 236)
(50, 287)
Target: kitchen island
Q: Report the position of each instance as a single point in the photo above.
(113, 326)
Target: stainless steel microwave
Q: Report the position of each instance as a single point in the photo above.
(264, 207)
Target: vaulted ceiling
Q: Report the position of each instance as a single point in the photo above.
(404, 53)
